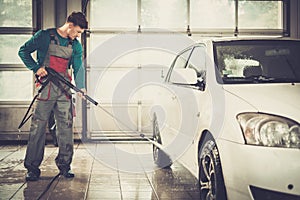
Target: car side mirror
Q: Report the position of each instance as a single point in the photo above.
(201, 83)
(186, 76)
(201, 80)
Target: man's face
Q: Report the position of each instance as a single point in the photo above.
(74, 31)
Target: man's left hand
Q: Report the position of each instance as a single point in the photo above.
(81, 95)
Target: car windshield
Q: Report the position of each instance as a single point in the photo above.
(257, 61)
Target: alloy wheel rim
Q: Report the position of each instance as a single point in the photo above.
(207, 178)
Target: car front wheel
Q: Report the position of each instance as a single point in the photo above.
(160, 158)
(211, 180)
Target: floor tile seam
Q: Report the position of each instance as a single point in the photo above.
(89, 179)
(22, 185)
(48, 160)
(51, 186)
(118, 171)
(152, 186)
(49, 156)
(144, 170)
(18, 149)
(18, 163)
(146, 175)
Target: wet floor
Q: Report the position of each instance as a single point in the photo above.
(103, 170)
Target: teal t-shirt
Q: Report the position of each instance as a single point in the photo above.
(39, 42)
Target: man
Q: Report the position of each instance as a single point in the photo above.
(58, 49)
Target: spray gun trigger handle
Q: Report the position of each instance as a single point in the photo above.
(42, 80)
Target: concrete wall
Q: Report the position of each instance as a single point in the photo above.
(48, 16)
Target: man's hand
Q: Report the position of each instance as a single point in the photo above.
(41, 72)
(80, 94)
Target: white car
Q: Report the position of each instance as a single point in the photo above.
(231, 115)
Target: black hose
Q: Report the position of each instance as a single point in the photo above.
(25, 118)
(48, 186)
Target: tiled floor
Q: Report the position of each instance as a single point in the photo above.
(103, 171)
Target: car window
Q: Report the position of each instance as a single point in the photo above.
(263, 61)
(234, 67)
(197, 60)
(180, 62)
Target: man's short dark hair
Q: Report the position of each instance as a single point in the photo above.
(78, 19)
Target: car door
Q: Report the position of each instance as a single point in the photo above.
(189, 96)
(169, 116)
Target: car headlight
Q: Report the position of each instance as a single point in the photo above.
(269, 130)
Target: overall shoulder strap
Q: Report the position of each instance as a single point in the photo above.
(53, 37)
(70, 43)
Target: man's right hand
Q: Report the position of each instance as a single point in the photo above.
(41, 72)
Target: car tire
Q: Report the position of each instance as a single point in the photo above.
(211, 182)
(161, 159)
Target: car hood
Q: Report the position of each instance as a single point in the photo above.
(279, 99)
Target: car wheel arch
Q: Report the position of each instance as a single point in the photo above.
(201, 139)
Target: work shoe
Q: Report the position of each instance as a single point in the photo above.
(67, 174)
(30, 176)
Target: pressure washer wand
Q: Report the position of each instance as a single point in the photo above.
(59, 77)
